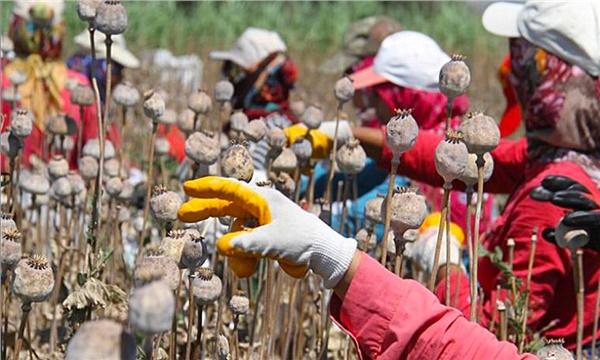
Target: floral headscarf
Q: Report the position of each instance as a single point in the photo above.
(33, 36)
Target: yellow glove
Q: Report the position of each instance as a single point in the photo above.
(321, 143)
(286, 233)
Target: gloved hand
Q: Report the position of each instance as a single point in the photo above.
(567, 193)
(422, 251)
(294, 237)
(321, 138)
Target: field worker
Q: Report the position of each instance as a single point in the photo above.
(37, 31)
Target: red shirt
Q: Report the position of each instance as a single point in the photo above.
(552, 294)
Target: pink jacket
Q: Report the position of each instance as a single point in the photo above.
(393, 318)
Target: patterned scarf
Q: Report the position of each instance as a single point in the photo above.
(31, 38)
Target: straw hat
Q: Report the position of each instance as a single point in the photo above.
(119, 52)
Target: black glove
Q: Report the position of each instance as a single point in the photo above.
(567, 193)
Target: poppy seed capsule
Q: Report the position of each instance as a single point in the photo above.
(17, 77)
(66, 144)
(158, 263)
(276, 138)
(154, 105)
(344, 90)
(185, 121)
(111, 167)
(86, 9)
(61, 187)
(11, 247)
(125, 94)
(480, 133)
(297, 108)
(408, 210)
(237, 163)
(111, 18)
(239, 304)
(21, 123)
(451, 157)
(101, 340)
(77, 183)
(373, 209)
(455, 77)
(554, 350)
(351, 157)
(169, 117)
(239, 121)
(286, 161)
(57, 125)
(114, 186)
(223, 348)
(151, 307)
(199, 102)
(202, 147)
(33, 279)
(223, 91)
(207, 287)
(285, 184)
(126, 192)
(161, 146)
(88, 167)
(92, 148)
(57, 167)
(172, 244)
(401, 132)
(7, 221)
(34, 184)
(164, 204)
(302, 148)
(256, 130)
(469, 177)
(312, 117)
(363, 236)
(194, 252)
(82, 95)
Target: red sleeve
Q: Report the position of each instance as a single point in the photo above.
(510, 159)
(392, 318)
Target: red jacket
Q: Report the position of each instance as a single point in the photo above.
(400, 319)
(552, 289)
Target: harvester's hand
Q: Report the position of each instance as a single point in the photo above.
(294, 237)
(321, 138)
(567, 193)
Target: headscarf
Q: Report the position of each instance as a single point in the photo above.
(561, 107)
(511, 118)
(37, 34)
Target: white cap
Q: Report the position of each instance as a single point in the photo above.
(567, 29)
(22, 7)
(253, 46)
(406, 58)
(119, 52)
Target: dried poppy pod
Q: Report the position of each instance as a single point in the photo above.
(364, 237)
(455, 77)
(286, 161)
(9, 144)
(239, 304)
(88, 167)
(223, 348)
(239, 121)
(57, 167)
(344, 90)
(111, 18)
(21, 123)
(207, 287)
(111, 167)
(86, 9)
(7, 221)
(408, 210)
(77, 183)
(125, 94)
(82, 95)
(126, 192)
(154, 105)
(302, 148)
(101, 340)
(113, 186)
(92, 148)
(33, 279)
(157, 261)
(202, 147)
(11, 247)
(199, 102)
(451, 157)
(162, 146)
(194, 252)
(61, 125)
(172, 244)
(469, 177)
(480, 133)
(276, 138)
(151, 308)
(285, 184)
(351, 157)
(185, 121)
(373, 209)
(312, 117)
(65, 144)
(401, 132)
(554, 350)
(34, 184)
(164, 204)
(223, 91)
(297, 108)
(61, 187)
(17, 77)
(256, 130)
(169, 117)
(237, 163)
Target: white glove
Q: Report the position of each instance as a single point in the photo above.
(298, 239)
(422, 251)
(344, 130)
